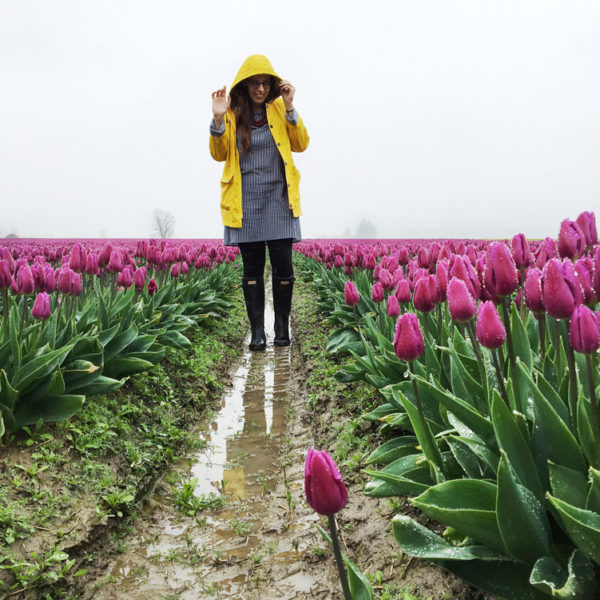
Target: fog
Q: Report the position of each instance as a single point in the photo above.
(427, 119)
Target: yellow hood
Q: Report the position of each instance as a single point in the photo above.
(257, 64)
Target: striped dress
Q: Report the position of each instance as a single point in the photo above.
(265, 205)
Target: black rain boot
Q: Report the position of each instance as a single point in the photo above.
(254, 295)
(282, 303)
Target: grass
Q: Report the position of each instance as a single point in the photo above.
(101, 461)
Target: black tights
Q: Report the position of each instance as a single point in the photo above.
(254, 256)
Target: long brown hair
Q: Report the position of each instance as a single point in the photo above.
(242, 107)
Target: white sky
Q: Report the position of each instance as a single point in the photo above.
(437, 118)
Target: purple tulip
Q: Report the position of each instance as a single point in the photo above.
(587, 222)
(386, 279)
(571, 240)
(461, 304)
(583, 269)
(584, 332)
(561, 292)
(393, 308)
(49, 279)
(324, 487)
(351, 294)
(91, 264)
(402, 292)
(490, 329)
(115, 262)
(41, 306)
(546, 250)
(408, 339)
(139, 279)
(521, 252)
(105, 255)
(77, 258)
(533, 291)
(25, 280)
(152, 287)
(425, 297)
(441, 278)
(500, 273)
(463, 269)
(125, 278)
(377, 293)
(5, 274)
(64, 280)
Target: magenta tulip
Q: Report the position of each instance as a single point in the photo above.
(587, 222)
(324, 487)
(500, 275)
(5, 274)
(377, 293)
(461, 304)
(152, 287)
(584, 332)
(25, 280)
(351, 294)
(521, 252)
(408, 339)
(561, 292)
(571, 240)
(402, 292)
(139, 279)
(393, 308)
(490, 329)
(425, 297)
(386, 279)
(41, 306)
(533, 291)
(77, 258)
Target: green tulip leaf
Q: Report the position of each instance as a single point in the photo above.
(585, 433)
(465, 457)
(593, 497)
(467, 505)
(579, 583)
(393, 449)
(118, 343)
(481, 450)
(409, 475)
(8, 395)
(33, 371)
(512, 442)
(521, 517)
(121, 367)
(520, 339)
(49, 408)
(582, 525)
(568, 485)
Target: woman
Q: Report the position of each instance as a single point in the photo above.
(255, 130)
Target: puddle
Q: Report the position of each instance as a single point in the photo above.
(222, 551)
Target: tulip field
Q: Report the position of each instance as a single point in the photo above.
(482, 355)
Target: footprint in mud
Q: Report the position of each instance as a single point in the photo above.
(242, 526)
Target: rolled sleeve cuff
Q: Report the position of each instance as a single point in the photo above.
(217, 132)
(292, 119)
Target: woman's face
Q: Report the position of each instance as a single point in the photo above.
(258, 88)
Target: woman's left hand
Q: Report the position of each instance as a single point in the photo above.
(287, 93)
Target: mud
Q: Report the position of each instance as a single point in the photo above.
(261, 542)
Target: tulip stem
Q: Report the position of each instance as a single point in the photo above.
(480, 363)
(572, 374)
(589, 362)
(338, 557)
(557, 361)
(511, 355)
(499, 377)
(416, 391)
(5, 311)
(426, 328)
(542, 325)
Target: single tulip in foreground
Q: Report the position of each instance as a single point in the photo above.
(408, 339)
(327, 494)
(351, 294)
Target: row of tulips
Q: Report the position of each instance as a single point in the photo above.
(78, 319)
(484, 354)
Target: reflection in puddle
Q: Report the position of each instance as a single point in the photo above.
(217, 550)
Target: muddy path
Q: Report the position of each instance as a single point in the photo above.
(246, 531)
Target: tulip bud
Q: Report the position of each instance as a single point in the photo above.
(41, 306)
(490, 329)
(5, 274)
(402, 293)
(521, 252)
(91, 264)
(324, 487)
(584, 332)
(386, 279)
(561, 292)
(77, 258)
(533, 291)
(139, 279)
(377, 293)
(408, 339)
(425, 297)
(583, 268)
(25, 281)
(104, 255)
(546, 250)
(124, 278)
(587, 222)
(441, 278)
(115, 262)
(152, 287)
(461, 304)
(393, 308)
(500, 273)
(571, 240)
(351, 294)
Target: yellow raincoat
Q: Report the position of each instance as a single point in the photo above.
(289, 138)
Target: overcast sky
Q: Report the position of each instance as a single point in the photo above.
(437, 118)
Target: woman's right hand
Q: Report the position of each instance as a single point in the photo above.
(220, 104)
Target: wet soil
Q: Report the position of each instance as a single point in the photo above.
(261, 540)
